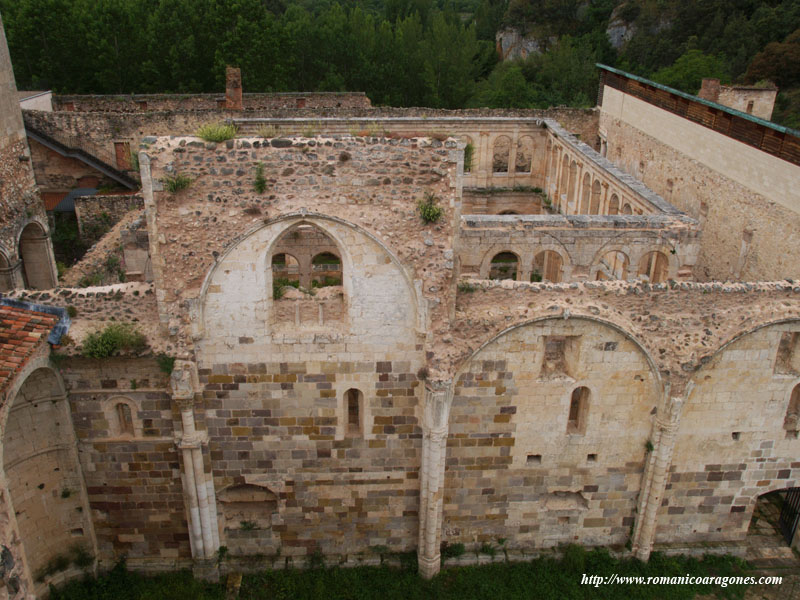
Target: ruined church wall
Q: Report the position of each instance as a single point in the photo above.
(746, 216)
(731, 444)
(133, 480)
(515, 470)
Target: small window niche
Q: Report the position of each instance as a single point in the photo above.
(787, 360)
(790, 421)
(578, 409)
(120, 414)
(560, 356)
(354, 412)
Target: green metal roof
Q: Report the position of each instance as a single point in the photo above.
(727, 109)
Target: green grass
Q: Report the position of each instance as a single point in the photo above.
(175, 183)
(216, 132)
(542, 579)
(114, 338)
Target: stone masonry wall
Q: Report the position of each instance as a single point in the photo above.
(367, 187)
(746, 235)
(106, 210)
(515, 470)
(581, 242)
(133, 480)
(57, 173)
(160, 102)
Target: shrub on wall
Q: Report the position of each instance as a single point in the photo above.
(176, 183)
(429, 208)
(113, 339)
(216, 132)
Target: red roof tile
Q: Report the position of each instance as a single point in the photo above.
(22, 332)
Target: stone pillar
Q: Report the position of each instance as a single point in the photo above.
(438, 398)
(655, 477)
(233, 88)
(200, 498)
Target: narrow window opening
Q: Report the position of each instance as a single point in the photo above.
(736, 435)
(578, 406)
(353, 404)
(787, 361)
(534, 459)
(591, 458)
(750, 107)
(793, 411)
(124, 419)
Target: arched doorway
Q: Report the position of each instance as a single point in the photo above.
(37, 265)
(772, 533)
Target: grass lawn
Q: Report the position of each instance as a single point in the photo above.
(540, 579)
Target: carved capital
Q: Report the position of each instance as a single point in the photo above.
(184, 383)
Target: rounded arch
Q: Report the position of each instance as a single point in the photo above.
(613, 264)
(654, 265)
(6, 275)
(572, 193)
(613, 205)
(589, 318)
(586, 191)
(469, 153)
(524, 158)
(122, 423)
(501, 150)
(276, 227)
(33, 245)
(594, 208)
(504, 265)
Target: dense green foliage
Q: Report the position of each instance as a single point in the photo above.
(544, 578)
(115, 338)
(438, 53)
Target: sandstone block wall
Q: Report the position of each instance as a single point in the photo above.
(515, 470)
(133, 479)
(744, 198)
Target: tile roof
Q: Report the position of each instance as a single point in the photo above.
(21, 333)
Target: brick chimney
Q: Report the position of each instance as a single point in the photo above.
(233, 88)
(709, 90)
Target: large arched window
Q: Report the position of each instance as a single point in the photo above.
(547, 266)
(500, 154)
(504, 266)
(655, 266)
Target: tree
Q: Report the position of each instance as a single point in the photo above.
(689, 70)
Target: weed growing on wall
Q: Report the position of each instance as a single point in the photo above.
(260, 182)
(115, 338)
(216, 132)
(176, 183)
(429, 208)
(166, 363)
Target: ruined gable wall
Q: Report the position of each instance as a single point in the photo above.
(744, 206)
(54, 172)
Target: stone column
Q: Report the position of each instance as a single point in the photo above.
(438, 398)
(200, 497)
(655, 477)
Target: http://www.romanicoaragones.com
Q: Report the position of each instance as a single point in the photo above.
(614, 579)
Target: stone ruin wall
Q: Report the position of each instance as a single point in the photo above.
(105, 210)
(748, 235)
(581, 243)
(182, 102)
